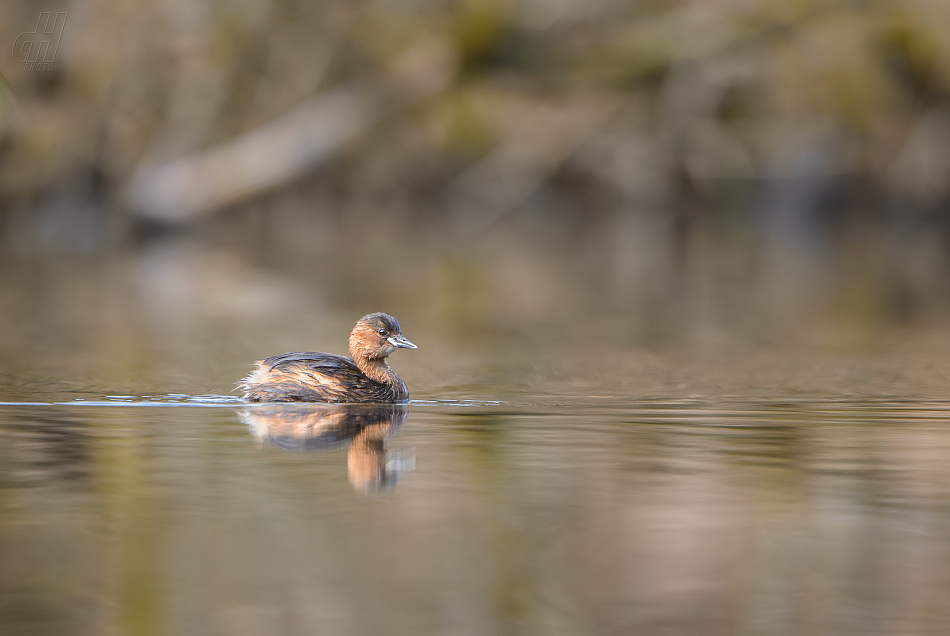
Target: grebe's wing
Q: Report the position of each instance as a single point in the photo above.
(314, 360)
(311, 377)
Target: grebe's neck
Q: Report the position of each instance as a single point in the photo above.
(377, 369)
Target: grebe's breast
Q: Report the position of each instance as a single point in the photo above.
(312, 376)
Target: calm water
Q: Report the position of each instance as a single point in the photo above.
(185, 515)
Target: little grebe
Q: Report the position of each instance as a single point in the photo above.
(325, 377)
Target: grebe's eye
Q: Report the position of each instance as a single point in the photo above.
(382, 332)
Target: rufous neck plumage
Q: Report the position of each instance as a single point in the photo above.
(375, 368)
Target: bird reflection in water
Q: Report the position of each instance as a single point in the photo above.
(315, 427)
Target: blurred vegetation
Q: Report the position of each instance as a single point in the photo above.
(550, 195)
(729, 169)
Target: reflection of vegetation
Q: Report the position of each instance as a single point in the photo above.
(124, 469)
(553, 518)
(463, 295)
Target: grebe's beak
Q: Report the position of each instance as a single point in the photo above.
(401, 342)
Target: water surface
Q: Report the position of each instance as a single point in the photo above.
(198, 515)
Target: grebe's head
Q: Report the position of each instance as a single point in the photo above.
(375, 336)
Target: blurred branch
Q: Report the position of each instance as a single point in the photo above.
(534, 150)
(268, 156)
(184, 188)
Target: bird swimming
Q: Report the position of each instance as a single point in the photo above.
(325, 377)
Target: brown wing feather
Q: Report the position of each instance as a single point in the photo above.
(312, 377)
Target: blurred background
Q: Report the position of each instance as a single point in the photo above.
(546, 189)
(679, 273)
